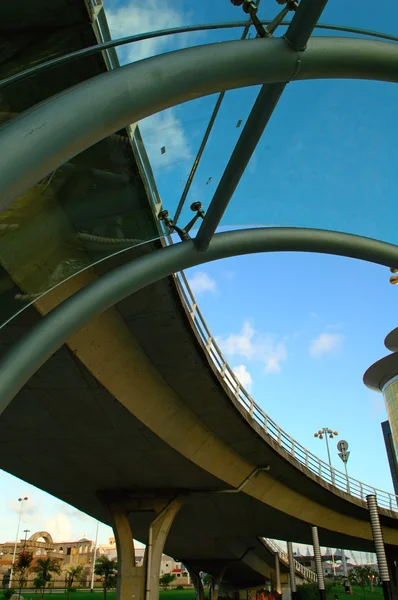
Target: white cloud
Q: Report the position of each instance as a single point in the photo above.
(201, 283)
(164, 129)
(243, 375)
(139, 17)
(252, 345)
(325, 343)
(60, 527)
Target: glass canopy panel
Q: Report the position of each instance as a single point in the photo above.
(90, 209)
(325, 161)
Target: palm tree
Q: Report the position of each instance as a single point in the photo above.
(44, 568)
(73, 573)
(107, 569)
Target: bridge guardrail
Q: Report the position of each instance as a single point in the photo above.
(305, 572)
(334, 477)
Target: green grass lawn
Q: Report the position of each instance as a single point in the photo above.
(357, 593)
(188, 594)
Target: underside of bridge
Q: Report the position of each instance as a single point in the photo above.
(130, 407)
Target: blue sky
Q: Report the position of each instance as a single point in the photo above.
(299, 329)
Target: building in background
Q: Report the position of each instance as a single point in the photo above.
(391, 454)
(382, 376)
(108, 549)
(80, 552)
(42, 545)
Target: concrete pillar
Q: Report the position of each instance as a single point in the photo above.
(278, 586)
(292, 572)
(344, 563)
(318, 563)
(130, 579)
(140, 583)
(379, 545)
(158, 532)
(215, 583)
(197, 582)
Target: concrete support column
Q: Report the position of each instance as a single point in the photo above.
(197, 583)
(215, 584)
(292, 572)
(139, 583)
(344, 566)
(158, 532)
(130, 579)
(318, 563)
(344, 563)
(379, 545)
(278, 586)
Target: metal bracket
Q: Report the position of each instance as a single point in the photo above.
(251, 8)
(182, 232)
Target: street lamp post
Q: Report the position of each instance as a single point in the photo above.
(342, 447)
(22, 501)
(326, 433)
(26, 531)
(94, 559)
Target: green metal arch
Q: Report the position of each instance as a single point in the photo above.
(40, 140)
(30, 353)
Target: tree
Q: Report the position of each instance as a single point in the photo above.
(22, 566)
(362, 575)
(44, 569)
(72, 574)
(107, 569)
(207, 580)
(165, 580)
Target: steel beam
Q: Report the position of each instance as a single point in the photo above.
(259, 116)
(46, 136)
(303, 23)
(297, 35)
(32, 351)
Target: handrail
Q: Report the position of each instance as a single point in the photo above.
(308, 574)
(323, 470)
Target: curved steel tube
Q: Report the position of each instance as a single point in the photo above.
(41, 139)
(30, 353)
(130, 39)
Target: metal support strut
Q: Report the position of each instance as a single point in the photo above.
(296, 37)
(292, 572)
(318, 563)
(379, 545)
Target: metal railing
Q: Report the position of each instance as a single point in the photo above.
(327, 473)
(305, 572)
